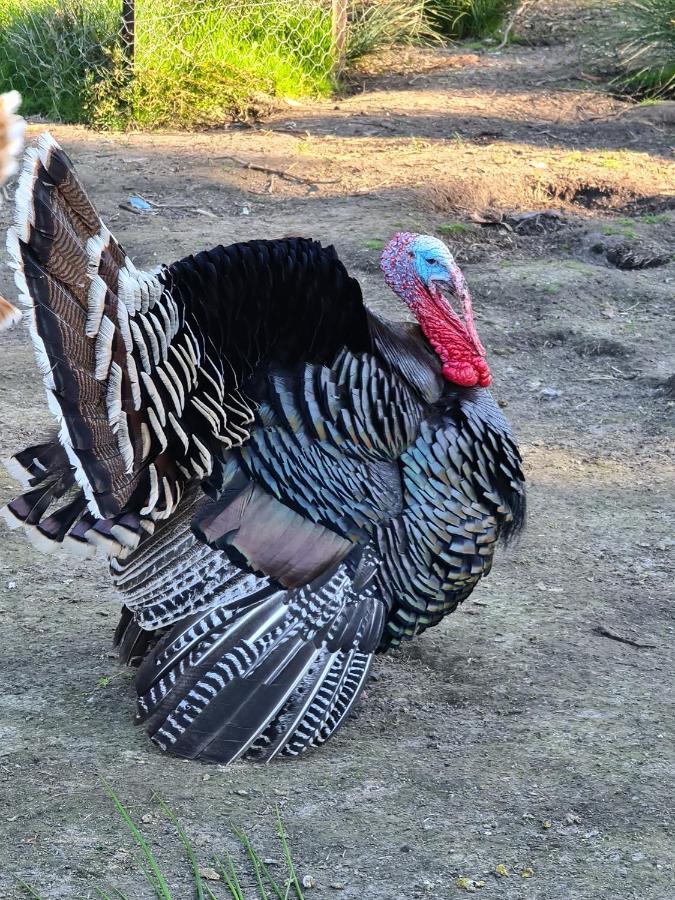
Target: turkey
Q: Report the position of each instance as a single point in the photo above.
(11, 143)
(284, 482)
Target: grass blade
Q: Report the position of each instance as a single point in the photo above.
(171, 816)
(254, 859)
(230, 877)
(281, 831)
(28, 889)
(159, 884)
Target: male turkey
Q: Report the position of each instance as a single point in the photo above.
(11, 144)
(358, 473)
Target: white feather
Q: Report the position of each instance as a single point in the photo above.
(153, 496)
(103, 349)
(113, 397)
(154, 397)
(139, 343)
(157, 428)
(179, 431)
(124, 443)
(95, 305)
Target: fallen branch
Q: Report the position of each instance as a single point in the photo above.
(281, 173)
(605, 632)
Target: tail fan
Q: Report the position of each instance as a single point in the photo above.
(12, 128)
(143, 369)
(127, 377)
(274, 676)
(53, 512)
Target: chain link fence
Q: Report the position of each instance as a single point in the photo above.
(177, 63)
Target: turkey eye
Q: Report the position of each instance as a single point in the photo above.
(432, 262)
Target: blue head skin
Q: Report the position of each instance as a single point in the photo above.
(432, 261)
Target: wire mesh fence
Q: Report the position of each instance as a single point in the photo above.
(164, 61)
(176, 63)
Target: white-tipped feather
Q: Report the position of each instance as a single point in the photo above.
(153, 495)
(152, 338)
(114, 395)
(134, 382)
(157, 428)
(184, 366)
(146, 441)
(10, 519)
(15, 128)
(154, 397)
(123, 324)
(124, 443)
(171, 390)
(160, 331)
(126, 290)
(96, 305)
(177, 383)
(180, 432)
(141, 346)
(17, 471)
(104, 348)
(207, 413)
(45, 145)
(24, 212)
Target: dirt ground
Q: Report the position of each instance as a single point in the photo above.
(520, 736)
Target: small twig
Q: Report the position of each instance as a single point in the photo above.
(511, 22)
(289, 176)
(605, 632)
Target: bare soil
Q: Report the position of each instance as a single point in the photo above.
(523, 735)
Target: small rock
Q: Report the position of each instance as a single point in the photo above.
(146, 818)
(209, 874)
(241, 792)
(547, 824)
(527, 872)
(501, 870)
(549, 393)
(572, 819)
(206, 777)
(337, 885)
(502, 403)
(308, 881)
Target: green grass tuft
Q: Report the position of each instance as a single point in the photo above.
(454, 228)
(267, 887)
(374, 27)
(461, 19)
(647, 50)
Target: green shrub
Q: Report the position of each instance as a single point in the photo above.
(468, 18)
(648, 50)
(377, 26)
(53, 50)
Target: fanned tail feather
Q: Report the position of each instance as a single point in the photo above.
(52, 508)
(138, 399)
(273, 675)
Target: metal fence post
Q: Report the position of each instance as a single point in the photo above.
(128, 28)
(339, 8)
